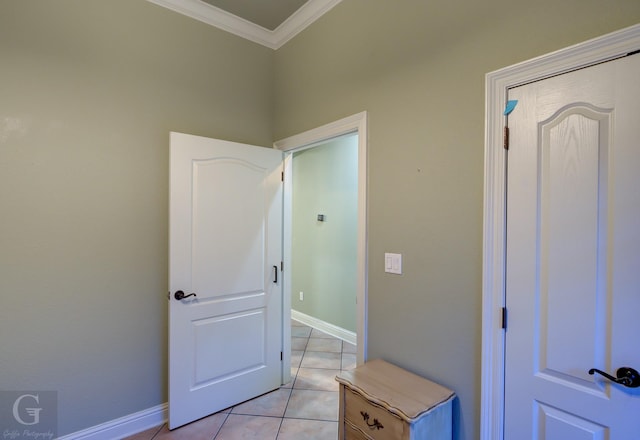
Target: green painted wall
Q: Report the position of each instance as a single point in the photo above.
(418, 69)
(324, 254)
(89, 92)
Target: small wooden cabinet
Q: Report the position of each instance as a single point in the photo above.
(380, 401)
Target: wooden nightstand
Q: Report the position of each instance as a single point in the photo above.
(379, 401)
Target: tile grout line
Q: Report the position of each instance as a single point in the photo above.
(293, 381)
(158, 431)
(222, 424)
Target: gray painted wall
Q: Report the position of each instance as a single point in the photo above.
(89, 90)
(324, 254)
(418, 69)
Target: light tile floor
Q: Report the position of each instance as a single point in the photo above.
(306, 408)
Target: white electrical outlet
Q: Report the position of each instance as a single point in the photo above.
(301, 296)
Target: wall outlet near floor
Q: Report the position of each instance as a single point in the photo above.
(301, 296)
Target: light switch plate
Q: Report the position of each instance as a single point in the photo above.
(393, 263)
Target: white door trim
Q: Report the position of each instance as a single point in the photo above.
(352, 124)
(497, 84)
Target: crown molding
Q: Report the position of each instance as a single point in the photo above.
(274, 39)
(301, 19)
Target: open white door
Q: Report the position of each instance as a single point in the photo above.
(225, 246)
(573, 255)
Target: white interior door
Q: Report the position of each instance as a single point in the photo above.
(225, 342)
(573, 255)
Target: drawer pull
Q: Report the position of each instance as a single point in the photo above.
(376, 424)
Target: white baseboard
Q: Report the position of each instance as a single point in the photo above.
(124, 426)
(323, 326)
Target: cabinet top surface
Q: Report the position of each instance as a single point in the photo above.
(399, 391)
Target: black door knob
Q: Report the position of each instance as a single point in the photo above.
(180, 295)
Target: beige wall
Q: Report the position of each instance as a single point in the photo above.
(418, 68)
(89, 90)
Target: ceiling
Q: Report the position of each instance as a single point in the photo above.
(268, 22)
(266, 13)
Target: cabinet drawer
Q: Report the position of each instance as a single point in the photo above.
(352, 433)
(371, 419)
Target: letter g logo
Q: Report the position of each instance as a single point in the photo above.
(34, 413)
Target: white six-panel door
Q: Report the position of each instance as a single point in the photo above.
(225, 242)
(573, 255)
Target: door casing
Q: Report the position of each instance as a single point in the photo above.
(352, 124)
(608, 47)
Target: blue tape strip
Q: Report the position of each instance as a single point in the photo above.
(510, 106)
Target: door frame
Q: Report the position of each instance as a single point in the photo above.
(351, 124)
(606, 48)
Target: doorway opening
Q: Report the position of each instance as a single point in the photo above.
(337, 136)
(324, 239)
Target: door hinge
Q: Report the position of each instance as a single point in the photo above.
(282, 176)
(282, 266)
(280, 355)
(506, 137)
(504, 318)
